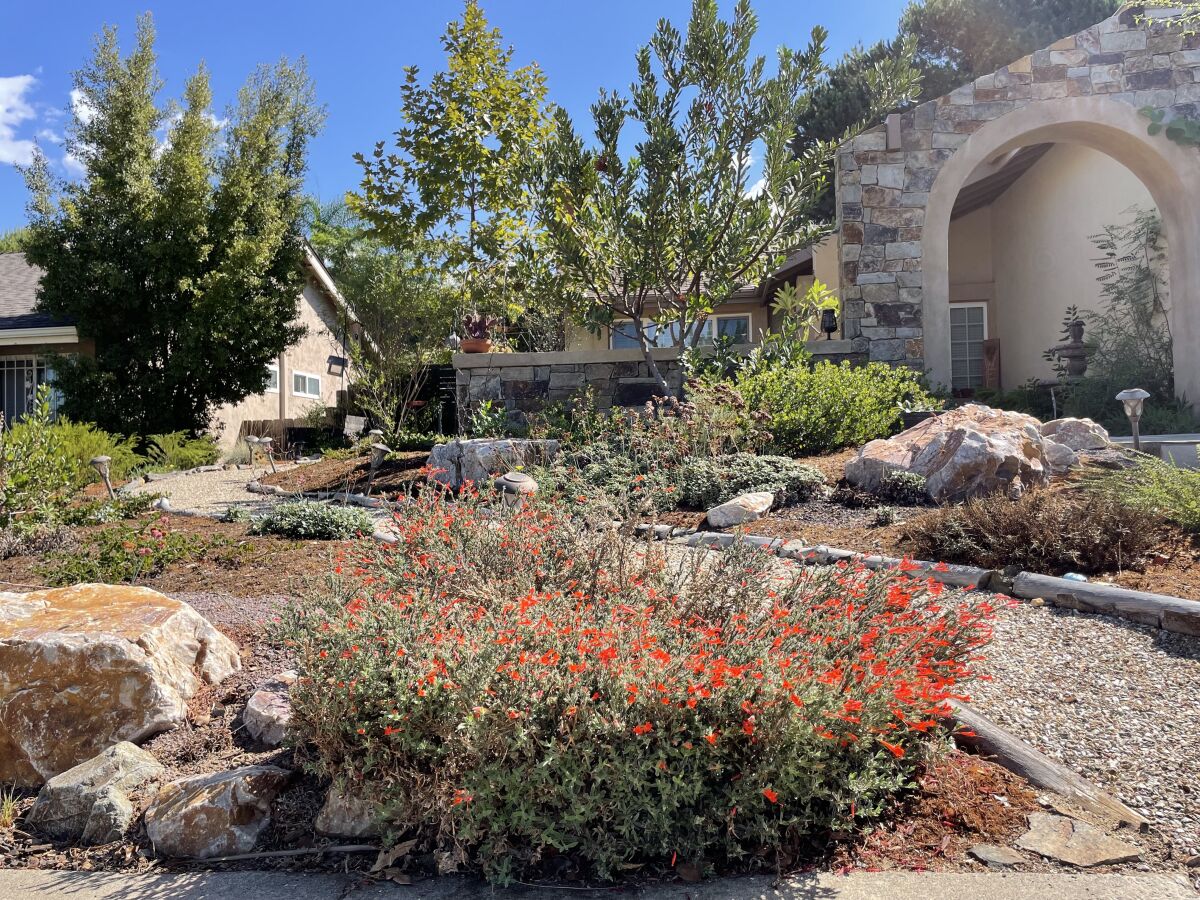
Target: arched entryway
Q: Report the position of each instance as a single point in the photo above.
(1170, 173)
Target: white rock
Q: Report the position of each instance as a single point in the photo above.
(346, 815)
(966, 452)
(1059, 456)
(90, 802)
(741, 510)
(480, 459)
(214, 815)
(1078, 434)
(269, 710)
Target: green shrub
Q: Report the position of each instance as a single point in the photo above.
(178, 451)
(35, 471)
(1051, 532)
(311, 521)
(82, 442)
(829, 407)
(705, 482)
(902, 488)
(571, 695)
(101, 512)
(1156, 487)
(124, 553)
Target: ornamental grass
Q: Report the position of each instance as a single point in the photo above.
(526, 696)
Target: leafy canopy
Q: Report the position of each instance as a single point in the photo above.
(455, 186)
(666, 235)
(179, 258)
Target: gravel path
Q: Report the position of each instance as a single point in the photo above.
(211, 493)
(1117, 702)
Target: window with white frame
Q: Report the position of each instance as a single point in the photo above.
(968, 331)
(623, 336)
(305, 385)
(273, 378)
(20, 377)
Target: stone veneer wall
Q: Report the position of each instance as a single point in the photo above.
(526, 382)
(883, 185)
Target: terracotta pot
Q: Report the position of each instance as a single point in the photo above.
(475, 345)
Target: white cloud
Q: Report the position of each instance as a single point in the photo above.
(757, 188)
(84, 111)
(15, 109)
(50, 136)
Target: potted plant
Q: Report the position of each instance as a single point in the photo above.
(478, 329)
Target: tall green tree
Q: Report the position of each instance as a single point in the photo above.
(179, 250)
(455, 185)
(664, 236)
(13, 241)
(406, 308)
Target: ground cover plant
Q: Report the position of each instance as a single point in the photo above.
(707, 481)
(309, 520)
(1157, 487)
(572, 701)
(1044, 531)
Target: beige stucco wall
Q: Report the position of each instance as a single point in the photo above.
(1041, 255)
(309, 355)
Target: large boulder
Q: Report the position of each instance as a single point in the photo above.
(90, 802)
(1078, 434)
(86, 667)
(478, 459)
(742, 509)
(966, 452)
(214, 815)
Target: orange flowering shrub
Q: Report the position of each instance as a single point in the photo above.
(522, 693)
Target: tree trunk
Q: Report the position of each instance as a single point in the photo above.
(647, 354)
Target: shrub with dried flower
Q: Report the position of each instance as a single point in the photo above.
(524, 695)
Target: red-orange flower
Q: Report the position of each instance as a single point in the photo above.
(770, 795)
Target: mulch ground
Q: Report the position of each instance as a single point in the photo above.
(239, 563)
(396, 475)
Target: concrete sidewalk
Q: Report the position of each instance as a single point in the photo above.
(21, 884)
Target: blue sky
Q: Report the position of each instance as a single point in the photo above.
(355, 54)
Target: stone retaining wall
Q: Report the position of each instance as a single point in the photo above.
(527, 382)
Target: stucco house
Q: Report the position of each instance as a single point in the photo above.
(315, 371)
(964, 224)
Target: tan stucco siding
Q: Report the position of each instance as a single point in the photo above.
(310, 355)
(1042, 255)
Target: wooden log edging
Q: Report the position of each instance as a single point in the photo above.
(1175, 614)
(989, 739)
(1160, 610)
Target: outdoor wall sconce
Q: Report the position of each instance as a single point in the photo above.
(1133, 400)
(337, 365)
(100, 464)
(514, 487)
(828, 323)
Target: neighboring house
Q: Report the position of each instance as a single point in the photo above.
(313, 372)
(745, 317)
(964, 224)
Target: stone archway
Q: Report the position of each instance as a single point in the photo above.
(1170, 173)
(897, 183)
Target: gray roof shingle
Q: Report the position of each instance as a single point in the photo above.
(18, 295)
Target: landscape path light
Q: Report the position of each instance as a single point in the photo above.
(100, 464)
(379, 452)
(1133, 400)
(265, 443)
(514, 487)
(251, 442)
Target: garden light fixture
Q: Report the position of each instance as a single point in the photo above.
(514, 487)
(100, 464)
(379, 452)
(252, 441)
(1133, 400)
(265, 443)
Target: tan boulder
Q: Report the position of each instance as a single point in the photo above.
(214, 815)
(346, 815)
(1078, 434)
(86, 667)
(971, 451)
(741, 509)
(269, 710)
